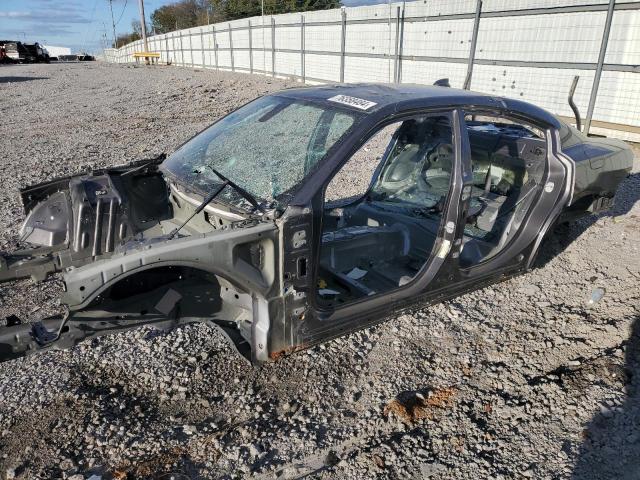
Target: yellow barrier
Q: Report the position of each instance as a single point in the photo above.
(154, 56)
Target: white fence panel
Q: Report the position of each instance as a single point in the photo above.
(562, 37)
(525, 49)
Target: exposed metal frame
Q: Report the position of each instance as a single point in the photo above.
(283, 315)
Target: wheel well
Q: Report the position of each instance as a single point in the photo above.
(182, 295)
(148, 280)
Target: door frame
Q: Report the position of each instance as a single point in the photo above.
(320, 323)
(518, 253)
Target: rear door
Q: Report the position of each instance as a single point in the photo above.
(519, 184)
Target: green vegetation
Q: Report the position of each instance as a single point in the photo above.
(194, 13)
(135, 34)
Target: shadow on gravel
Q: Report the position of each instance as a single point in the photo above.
(627, 196)
(563, 235)
(20, 79)
(611, 447)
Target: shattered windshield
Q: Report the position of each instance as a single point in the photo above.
(267, 147)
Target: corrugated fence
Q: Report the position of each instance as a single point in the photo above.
(527, 49)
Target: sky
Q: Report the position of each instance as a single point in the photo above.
(82, 25)
(78, 24)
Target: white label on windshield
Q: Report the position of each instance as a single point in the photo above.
(360, 103)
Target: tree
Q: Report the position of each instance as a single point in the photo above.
(192, 13)
(135, 34)
(235, 9)
(182, 14)
(137, 28)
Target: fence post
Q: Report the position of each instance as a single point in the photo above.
(343, 42)
(193, 64)
(396, 66)
(215, 46)
(181, 50)
(273, 47)
(250, 49)
(472, 49)
(173, 49)
(302, 75)
(400, 45)
(231, 48)
(166, 46)
(598, 74)
(202, 47)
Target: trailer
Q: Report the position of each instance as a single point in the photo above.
(37, 53)
(15, 51)
(18, 52)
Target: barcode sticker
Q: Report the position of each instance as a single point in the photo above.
(359, 103)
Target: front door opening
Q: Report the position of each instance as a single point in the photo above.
(383, 210)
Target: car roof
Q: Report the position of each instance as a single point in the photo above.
(407, 96)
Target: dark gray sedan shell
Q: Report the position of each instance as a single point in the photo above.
(403, 97)
(255, 278)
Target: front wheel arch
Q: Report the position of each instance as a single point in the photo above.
(171, 295)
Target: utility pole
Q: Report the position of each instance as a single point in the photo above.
(143, 24)
(113, 24)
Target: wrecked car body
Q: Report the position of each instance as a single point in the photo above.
(308, 214)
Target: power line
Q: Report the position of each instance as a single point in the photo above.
(113, 24)
(143, 26)
(122, 13)
(91, 21)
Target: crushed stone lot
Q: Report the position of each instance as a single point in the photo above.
(536, 377)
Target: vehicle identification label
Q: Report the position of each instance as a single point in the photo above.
(356, 102)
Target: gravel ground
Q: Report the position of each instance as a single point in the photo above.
(524, 379)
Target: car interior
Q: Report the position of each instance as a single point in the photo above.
(508, 161)
(381, 238)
